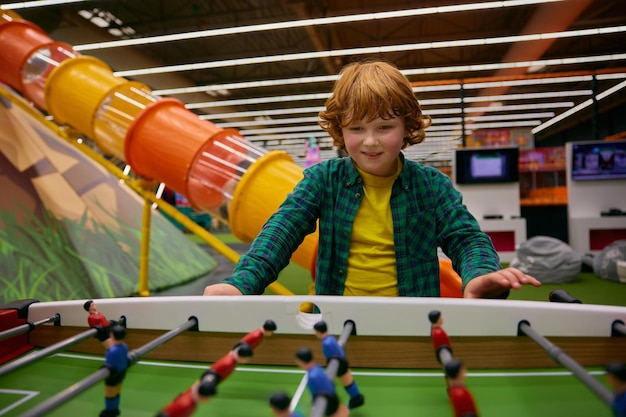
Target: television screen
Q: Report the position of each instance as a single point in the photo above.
(599, 160)
(486, 165)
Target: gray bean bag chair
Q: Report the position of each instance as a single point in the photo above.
(610, 263)
(548, 259)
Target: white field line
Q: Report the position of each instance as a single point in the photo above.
(435, 374)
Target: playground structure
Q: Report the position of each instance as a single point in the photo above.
(216, 169)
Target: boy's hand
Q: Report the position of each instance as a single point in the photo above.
(495, 284)
(221, 289)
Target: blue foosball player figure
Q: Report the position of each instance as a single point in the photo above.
(616, 378)
(319, 385)
(116, 359)
(332, 349)
(279, 404)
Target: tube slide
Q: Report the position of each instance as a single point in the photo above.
(216, 169)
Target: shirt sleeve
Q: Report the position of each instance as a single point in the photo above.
(279, 237)
(459, 235)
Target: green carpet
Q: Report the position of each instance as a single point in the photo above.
(589, 289)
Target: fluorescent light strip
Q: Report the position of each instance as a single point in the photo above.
(447, 87)
(33, 4)
(531, 81)
(317, 109)
(309, 22)
(518, 64)
(517, 107)
(409, 72)
(490, 125)
(579, 107)
(529, 96)
(302, 136)
(289, 129)
(259, 100)
(278, 122)
(246, 85)
(519, 116)
(260, 113)
(371, 50)
(433, 136)
(270, 122)
(278, 130)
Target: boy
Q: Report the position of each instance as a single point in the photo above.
(381, 217)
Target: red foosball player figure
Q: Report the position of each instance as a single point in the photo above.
(319, 384)
(185, 404)
(279, 404)
(116, 359)
(616, 378)
(225, 366)
(440, 339)
(98, 320)
(332, 349)
(460, 397)
(256, 336)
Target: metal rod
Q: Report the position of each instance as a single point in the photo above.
(57, 347)
(68, 393)
(27, 327)
(560, 357)
(618, 328)
(319, 405)
(150, 346)
(445, 356)
(104, 372)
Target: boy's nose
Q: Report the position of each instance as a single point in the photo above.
(370, 139)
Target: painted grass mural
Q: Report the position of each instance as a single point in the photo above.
(70, 230)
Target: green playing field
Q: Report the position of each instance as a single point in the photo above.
(150, 385)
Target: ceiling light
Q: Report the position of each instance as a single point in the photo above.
(407, 72)
(33, 4)
(311, 22)
(369, 50)
(579, 107)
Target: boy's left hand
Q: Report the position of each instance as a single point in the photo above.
(495, 284)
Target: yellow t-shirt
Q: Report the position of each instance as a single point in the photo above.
(372, 258)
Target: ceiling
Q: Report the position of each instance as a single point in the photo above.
(433, 58)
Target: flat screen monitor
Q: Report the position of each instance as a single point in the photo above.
(599, 160)
(486, 165)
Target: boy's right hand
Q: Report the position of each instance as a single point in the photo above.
(221, 289)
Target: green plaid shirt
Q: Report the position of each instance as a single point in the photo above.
(427, 213)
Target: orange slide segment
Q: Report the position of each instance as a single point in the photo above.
(216, 169)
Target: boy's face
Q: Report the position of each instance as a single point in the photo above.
(374, 146)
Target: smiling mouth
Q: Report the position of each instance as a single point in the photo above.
(372, 155)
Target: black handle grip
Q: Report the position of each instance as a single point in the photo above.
(562, 296)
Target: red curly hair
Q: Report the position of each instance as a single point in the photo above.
(369, 90)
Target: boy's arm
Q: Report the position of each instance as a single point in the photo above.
(495, 284)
